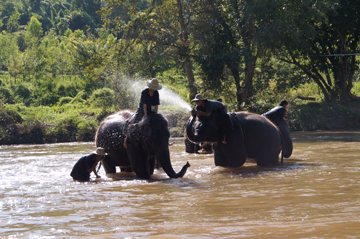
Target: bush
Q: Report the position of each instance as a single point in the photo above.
(34, 132)
(102, 98)
(65, 100)
(65, 129)
(6, 95)
(22, 91)
(66, 89)
(86, 129)
(48, 98)
(323, 116)
(78, 98)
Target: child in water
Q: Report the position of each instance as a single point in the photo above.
(87, 164)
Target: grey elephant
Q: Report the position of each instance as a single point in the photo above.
(148, 142)
(251, 136)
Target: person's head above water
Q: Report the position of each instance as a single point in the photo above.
(154, 84)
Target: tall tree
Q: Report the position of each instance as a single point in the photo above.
(322, 40)
(232, 42)
(166, 24)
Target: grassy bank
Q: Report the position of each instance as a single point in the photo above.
(78, 122)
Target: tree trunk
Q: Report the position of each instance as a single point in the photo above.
(191, 79)
(235, 72)
(184, 39)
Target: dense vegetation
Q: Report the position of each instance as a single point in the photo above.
(66, 64)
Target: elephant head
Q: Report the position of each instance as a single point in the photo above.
(148, 141)
(204, 129)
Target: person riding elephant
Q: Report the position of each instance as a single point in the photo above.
(251, 136)
(149, 102)
(148, 141)
(278, 113)
(277, 116)
(204, 108)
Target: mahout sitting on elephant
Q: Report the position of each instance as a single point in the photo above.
(251, 136)
(148, 141)
(277, 116)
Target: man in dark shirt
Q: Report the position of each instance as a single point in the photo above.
(277, 114)
(204, 108)
(87, 164)
(149, 102)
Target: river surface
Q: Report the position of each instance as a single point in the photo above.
(313, 194)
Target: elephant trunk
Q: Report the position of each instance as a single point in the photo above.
(164, 159)
(189, 131)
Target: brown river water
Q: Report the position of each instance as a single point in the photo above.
(313, 194)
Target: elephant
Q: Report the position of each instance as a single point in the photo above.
(251, 136)
(148, 142)
(194, 148)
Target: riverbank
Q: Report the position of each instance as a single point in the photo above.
(43, 125)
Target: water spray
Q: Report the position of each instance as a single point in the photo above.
(167, 96)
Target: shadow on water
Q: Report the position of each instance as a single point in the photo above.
(251, 169)
(130, 176)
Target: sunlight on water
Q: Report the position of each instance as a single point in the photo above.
(167, 96)
(314, 194)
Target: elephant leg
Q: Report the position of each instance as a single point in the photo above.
(139, 161)
(127, 169)
(263, 159)
(268, 157)
(152, 162)
(276, 160)
(108, 165)
(230, 155)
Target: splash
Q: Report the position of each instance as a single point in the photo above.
(167, 96)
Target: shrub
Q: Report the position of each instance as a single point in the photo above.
(102, 98)
(6, 95)
(65, 129)
(34, 132)
(22, 91)
(49, 98)
(66, 89)
(86, 129)
(65, 100)
(78, 98)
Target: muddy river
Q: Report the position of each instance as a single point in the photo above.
(313, 194)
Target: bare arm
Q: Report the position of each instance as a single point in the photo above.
(92, 169)
(202, 113)
(145, 109)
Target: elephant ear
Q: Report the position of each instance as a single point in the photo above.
(214, 120)
(134, 132)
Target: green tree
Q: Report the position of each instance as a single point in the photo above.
(34, 30)
(165, 25)
(90, 55)
(7, 9)
(13, 23)
(322, 40)
(90, 7)
(9, 49)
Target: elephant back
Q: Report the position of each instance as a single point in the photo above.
(111, 130)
